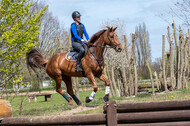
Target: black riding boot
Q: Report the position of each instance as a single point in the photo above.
(78, 67)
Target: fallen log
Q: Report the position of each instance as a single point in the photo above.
(150, 86)
(150, 117)
(57, 120)
(153, 106)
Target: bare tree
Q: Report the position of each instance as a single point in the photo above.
(140, 50)
(52, 38)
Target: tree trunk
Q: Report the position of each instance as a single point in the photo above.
(176, 49)
(179, 61)
(172, 71)
(124, 72)
(184, 84)
(114, 83)
(163, 64)
(111, 84)
(134, 64)
(147, 62)
(157, 81)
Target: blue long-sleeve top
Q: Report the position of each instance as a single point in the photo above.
(74, 31)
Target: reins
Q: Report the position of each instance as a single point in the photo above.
(100, 63)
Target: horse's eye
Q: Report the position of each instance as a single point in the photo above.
(112, 36)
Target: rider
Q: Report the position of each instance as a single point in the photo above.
(77, 31)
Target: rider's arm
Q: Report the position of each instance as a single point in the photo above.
(85, 33)
(74, 31)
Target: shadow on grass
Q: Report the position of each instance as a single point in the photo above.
(95, 102)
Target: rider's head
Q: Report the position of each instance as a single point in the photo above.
(76, 16)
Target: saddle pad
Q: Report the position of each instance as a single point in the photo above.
(71, 56)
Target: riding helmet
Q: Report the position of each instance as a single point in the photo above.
(75, 14)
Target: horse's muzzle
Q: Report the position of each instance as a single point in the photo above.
(118, 49)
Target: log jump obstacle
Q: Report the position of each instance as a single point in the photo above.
(170, 113)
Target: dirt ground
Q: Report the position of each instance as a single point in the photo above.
(77, 110)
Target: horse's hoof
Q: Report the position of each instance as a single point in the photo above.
(106, 98)
(70, 105)
(88, 99)
(79, 104)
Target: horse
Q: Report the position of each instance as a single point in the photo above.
(59, 68)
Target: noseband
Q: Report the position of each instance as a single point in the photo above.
(111, 43)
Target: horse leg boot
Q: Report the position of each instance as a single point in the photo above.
(107, 91)
(91, 78)
(69, 86)
(59, 90)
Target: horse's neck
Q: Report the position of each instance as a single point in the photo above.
(98, 51)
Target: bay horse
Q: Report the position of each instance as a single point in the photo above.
(59, 68)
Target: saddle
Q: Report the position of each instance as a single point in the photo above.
(72, 55)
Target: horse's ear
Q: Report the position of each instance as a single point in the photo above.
(111, 29)
(114, 29)
(108, 28)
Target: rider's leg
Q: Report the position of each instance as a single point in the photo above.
(78, 46)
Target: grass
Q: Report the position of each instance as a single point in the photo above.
(59, 104)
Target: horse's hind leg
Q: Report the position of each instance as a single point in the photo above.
(68, 83)
(60, 91)
(107, 91)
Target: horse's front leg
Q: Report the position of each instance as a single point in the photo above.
(91, 78)
(107, 91)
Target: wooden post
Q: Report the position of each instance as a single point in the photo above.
(163, 63)
(111, 113)
(147, 62)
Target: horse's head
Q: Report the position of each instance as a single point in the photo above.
(112, 40)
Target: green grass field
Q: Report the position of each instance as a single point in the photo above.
(59, 104)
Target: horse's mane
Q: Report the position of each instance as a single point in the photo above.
(96, 36)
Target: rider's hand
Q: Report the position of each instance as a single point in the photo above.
(85, 42)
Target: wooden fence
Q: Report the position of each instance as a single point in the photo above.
(133, 114)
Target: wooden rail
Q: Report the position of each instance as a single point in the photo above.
(133, 114)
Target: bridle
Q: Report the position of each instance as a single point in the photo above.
(111, 43)
(100, 63)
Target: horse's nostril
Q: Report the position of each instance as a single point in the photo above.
(119, 49)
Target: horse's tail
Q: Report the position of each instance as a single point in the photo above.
(35, 60)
